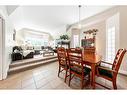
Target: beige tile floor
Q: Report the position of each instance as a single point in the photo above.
(45, 77)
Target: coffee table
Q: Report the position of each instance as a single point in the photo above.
(47, 52)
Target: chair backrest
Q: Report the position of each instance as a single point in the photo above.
(62, 55)
(75, 57)
(118, 59)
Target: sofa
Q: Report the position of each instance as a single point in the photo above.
(25, 52)
(37, 50)
(20, 53)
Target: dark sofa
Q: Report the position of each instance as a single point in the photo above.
(18, 55)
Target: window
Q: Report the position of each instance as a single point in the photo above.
(112, 37)
(110, 50)
(36, 41)
(76, 40)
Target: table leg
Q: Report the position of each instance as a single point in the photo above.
(93, 76)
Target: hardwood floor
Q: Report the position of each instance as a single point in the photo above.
(45, 77)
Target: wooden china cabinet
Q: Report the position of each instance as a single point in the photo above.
(88, 42)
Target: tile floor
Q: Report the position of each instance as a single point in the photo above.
(45, 77)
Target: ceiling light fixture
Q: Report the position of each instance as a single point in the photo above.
(79, 23)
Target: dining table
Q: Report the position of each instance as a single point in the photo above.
(92, 60)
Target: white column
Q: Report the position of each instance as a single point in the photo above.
(1, 46)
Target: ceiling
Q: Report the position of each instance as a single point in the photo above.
(10, 9)
(51, 19)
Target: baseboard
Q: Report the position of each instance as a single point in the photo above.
(123, 72)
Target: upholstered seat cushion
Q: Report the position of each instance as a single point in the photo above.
(104, 72)
(78, 70)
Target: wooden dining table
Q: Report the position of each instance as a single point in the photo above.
(92, 60)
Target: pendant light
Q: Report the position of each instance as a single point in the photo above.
(79, 23)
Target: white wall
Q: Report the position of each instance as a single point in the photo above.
(7, 41)
(60, 31)
(123, 35)
(17, 18)
(23, 33)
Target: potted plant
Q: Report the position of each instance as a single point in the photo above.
(64, 37)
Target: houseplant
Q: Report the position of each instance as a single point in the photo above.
(64, 37)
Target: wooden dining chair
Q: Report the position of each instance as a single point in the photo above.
(76, 66)
(62, 58)
(111, 73)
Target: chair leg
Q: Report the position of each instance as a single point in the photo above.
(65, 75)
(82, 82)
(59, 71)
(89, 79)
(69, 77)
(114, 85)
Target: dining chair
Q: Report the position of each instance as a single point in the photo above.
(76, 66)
(111, 73)
(62, 58)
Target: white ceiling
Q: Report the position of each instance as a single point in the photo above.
(51, 18)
